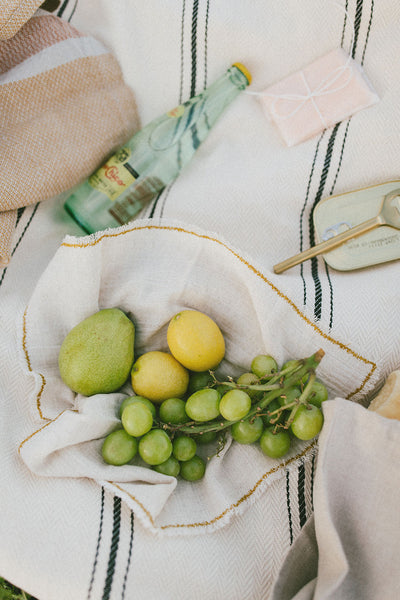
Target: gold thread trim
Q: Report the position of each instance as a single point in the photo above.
(144, 509)
(232, 506)
(43, 427)
(28, 362)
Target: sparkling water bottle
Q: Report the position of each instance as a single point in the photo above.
(152, 158)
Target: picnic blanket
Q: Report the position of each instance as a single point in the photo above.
(210, 241)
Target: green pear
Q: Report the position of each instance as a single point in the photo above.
(97, 355)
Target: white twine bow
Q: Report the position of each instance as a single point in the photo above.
(323, 89)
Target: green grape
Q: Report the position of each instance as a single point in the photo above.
(155, 447)
(276, 444)
(205, 437)
(173, 411)
(307, 422)
(193, 469)
(319, 394)
(141, 399)
(289, 396)
(272, 406)
(184, 448)
(137, 419)
(203, 405)
(250, 379)
(247, 432)
(234, 405)
(199, 380)
(263, 365)
(119, 448)
(169, 467)
(291, 363)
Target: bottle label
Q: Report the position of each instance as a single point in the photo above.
(176, 112)
(115, 176)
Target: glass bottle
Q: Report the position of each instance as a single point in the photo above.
(152, 158)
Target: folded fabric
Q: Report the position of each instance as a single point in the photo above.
(350, 548)
(67, 430)
(64, 108)
(14, 14)
(325, 92)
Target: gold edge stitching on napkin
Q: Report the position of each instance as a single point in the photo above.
(43, 427)
(229, 508)
(144, 509)
(28, 362)
(256, 272)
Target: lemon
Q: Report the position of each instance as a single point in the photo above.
(195, 340)
(158, 376)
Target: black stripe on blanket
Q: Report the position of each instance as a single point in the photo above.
(161, 200)
(329, 153)
(112, 558)
(96, 556)
(301, 494)
(19, 240)
(289, 508)
(67, 7)
(128, 562)
(195, 14)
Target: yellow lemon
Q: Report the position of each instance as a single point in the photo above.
(158, 376)
(195, 340)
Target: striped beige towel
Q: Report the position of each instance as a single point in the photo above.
(64, 107)
(14, 14)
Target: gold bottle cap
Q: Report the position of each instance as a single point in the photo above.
(243, 69)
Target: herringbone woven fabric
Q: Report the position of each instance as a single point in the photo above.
(211, 239)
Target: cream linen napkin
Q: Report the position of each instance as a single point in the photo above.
(64, 107)
(151, 272)
(350, 548)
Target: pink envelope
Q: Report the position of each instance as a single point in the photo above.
(325, 92)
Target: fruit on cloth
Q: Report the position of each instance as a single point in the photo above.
(119, 448)
(193, 469)
(387, 402)
(195, 340)
(173, 411)
(269, 411)
(137, 419)
(96, 356)
(133, 399)
(263, 364)
(247, 432)
(274, 443)
(155, 447)
(170, 467)
(203, 405)
(158, 376)
(184, 448)
(234, 405)
(307, 423)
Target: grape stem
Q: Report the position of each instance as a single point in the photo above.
(278, 384)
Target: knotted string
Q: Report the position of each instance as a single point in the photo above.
(323, 89)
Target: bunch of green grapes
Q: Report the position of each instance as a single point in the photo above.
(267, 406)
